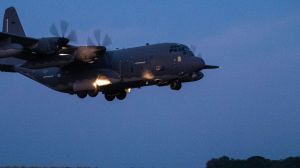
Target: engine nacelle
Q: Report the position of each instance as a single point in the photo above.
(88, 53)
(48, 46)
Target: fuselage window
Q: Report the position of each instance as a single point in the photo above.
(158, 68)
(179, 59)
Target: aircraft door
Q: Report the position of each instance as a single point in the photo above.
(126, 68)
(148, 65)
(176, 63)
(158, 65)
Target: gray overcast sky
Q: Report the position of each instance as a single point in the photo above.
(248, 107)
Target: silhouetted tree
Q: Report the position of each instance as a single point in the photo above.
(253, 162)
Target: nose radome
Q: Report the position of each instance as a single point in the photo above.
(202, 61)
(199, 63)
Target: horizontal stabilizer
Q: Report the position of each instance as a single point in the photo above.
(26, 42)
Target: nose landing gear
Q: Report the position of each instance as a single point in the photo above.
(175, 85)
(121, 95)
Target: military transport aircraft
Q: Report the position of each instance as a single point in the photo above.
(88, 70)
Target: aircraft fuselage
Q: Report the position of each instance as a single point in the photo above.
(159, 64)
(88, 70)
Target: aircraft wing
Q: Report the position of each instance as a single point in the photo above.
(46, 50)
(43, 52)
(26, 42)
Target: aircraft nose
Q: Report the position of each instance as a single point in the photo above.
(198, 63)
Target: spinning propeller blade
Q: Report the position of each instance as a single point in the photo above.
(97, 38)
(71, 36)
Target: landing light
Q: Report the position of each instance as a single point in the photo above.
(101, 82)
(64, 54)
(128, 90)
(148, 75)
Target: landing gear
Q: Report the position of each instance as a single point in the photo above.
(175, 85)
(121, 95)
(82, 94)
(109, 97)
(93, 93)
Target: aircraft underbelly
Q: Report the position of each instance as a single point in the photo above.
(50, 77)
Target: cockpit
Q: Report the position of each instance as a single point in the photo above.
(179, 48)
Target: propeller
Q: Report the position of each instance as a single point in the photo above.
(71, 36)
(194, 50)
(107, 40)
(97, 34)
(97, 39)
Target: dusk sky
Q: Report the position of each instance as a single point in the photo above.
(251, 106)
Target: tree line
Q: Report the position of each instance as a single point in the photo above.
(253, 162)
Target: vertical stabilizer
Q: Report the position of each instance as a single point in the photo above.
(11, 22)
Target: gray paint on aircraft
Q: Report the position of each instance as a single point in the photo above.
(81, 69)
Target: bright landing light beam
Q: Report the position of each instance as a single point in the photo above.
(101, 82)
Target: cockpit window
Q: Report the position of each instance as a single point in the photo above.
(179, 48)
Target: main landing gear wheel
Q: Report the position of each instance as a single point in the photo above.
(109, 97)
(82, 94)
(175, 85)
(93, 93)
(121, 95)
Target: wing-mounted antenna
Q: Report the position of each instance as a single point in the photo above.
(11, 23)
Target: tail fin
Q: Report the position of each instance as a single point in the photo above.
(11, 23)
